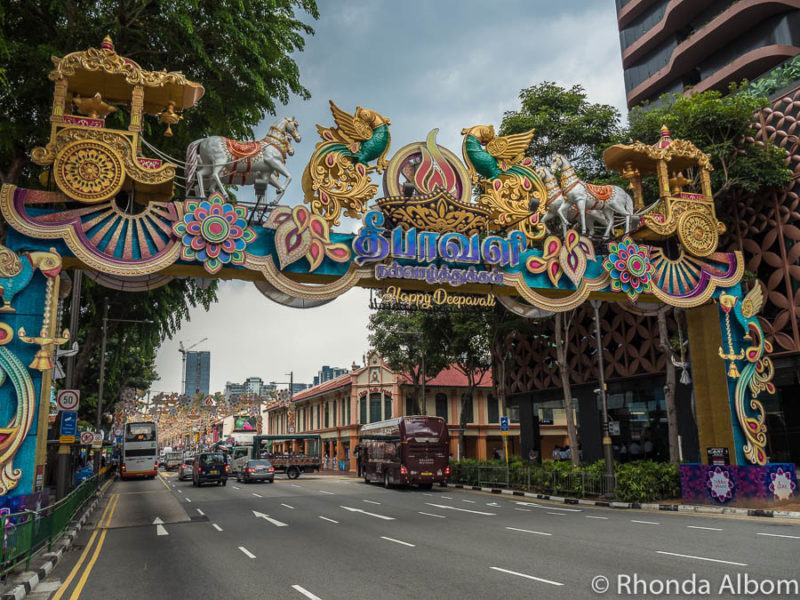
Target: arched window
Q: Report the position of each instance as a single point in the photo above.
(387, 407)
(375, 407)
(362, 406)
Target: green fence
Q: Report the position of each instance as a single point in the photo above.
(30, 532)
(534, 478)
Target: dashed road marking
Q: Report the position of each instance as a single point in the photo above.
(324, 492)
(188, 499)
(327, 519)
(477, 512)
(432, 515)
(287, 506)
(371, 502)
(551, 582)
(529, 531)
(217, 527)
(257, 495)
(201, 513)
(383, 537)
(645, 522)
(305, 592)
(591, 517)
(716, 560)
(247, 552)
(791, 537)
(705, 528)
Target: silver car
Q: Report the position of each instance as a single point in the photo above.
(185, 468)
(256, 470)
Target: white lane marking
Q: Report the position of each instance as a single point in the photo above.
(160, 530)
(424, 494)
(180, 491)
(533, 504)
(529, 531)
(327, 519)
(705, 528)
(287, 506)
(791, 537)
(257, 495)
(217, 527)
(247, 552)
(383, 537)
(188, 499)
(324, 492)
(295, 485)
(559, 514)
(201, 513)
(447, 497)
(158, 521)
(236, 488)
(477, 512)
(267, 518)
(523, 509)
(432, 515)
(384, 517)
(492, 504)
(590, 517)
(645, 522)
(305, 592)
(470, 501)
(371, 501)
(527, 576)
(716, 560)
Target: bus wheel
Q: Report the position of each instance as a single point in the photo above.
(386, 483)
(293, 473)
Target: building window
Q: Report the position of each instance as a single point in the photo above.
(327, 416)
(441, 406)
(363, 410)
(347, 407)
(319, 421)
(494, 410)
(333, 414)
(466, 408)
(387, 407)
(409, 406)
(374, 408)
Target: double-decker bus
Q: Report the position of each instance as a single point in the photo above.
(405, 451)
(139, 450)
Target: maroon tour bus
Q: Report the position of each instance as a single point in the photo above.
(405, 451)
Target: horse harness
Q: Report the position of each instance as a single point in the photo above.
(600, 193)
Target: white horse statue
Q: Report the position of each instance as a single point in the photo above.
(602, 200)
(212, 160)
(557, 205)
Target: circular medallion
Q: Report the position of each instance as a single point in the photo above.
(637, 266)
(215, 229)
(697, 231)
(89, 171)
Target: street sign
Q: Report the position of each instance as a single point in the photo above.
(87, 437)
(97, 442)
(613, 428)
(69, 423)
(68, 399)
(503, 423)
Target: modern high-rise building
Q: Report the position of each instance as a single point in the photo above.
(251, 385)
(198, 373)
(327, 373)
(669, 45)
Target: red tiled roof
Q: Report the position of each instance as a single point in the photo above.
(452, 377)
(332, 384)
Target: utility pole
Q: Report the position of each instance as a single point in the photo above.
(608, 452)
(101, 382)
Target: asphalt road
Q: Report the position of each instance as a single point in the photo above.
(331, 538)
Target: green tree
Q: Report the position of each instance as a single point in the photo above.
(408, 339)
(566, 123)
(240, 50)
(722, 127)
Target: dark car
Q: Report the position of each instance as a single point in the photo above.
(256, 470)
(185, 470)
(210, 467)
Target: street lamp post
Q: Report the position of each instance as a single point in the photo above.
(608, 452)
(101, 380)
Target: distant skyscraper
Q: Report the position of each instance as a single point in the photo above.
(326, 373)
(198, 372)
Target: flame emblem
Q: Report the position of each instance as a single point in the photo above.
(434, 170)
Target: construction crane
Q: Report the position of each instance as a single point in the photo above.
(183, 351)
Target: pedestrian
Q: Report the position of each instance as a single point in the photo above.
(557, 452)
(496, 454)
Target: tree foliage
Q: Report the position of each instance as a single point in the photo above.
(405, 338)
(240, 50)
(567, 123)
(720, 126)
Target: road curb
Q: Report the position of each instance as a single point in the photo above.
(28, 580)
(700, 509)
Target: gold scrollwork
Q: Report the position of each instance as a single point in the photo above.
(697, 231)
(336, 184)
(508, 199)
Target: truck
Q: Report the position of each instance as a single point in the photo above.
(172, 460)
(291, 463)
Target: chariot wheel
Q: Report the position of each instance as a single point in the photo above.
(89, 171)
(698, 233)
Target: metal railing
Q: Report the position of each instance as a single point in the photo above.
(534, 478)
(25, 534)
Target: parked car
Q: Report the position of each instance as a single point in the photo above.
(210, 467)
(185, 470)
(256, 470)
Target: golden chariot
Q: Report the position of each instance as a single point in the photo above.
(688, 215)
(91, 163)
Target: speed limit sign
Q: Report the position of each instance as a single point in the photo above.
(68, 399)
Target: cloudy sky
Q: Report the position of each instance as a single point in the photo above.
(424, 64)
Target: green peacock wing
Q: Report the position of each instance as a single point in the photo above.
(374, 146)
(484, 163)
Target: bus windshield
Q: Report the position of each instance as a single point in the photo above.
(140, 432)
